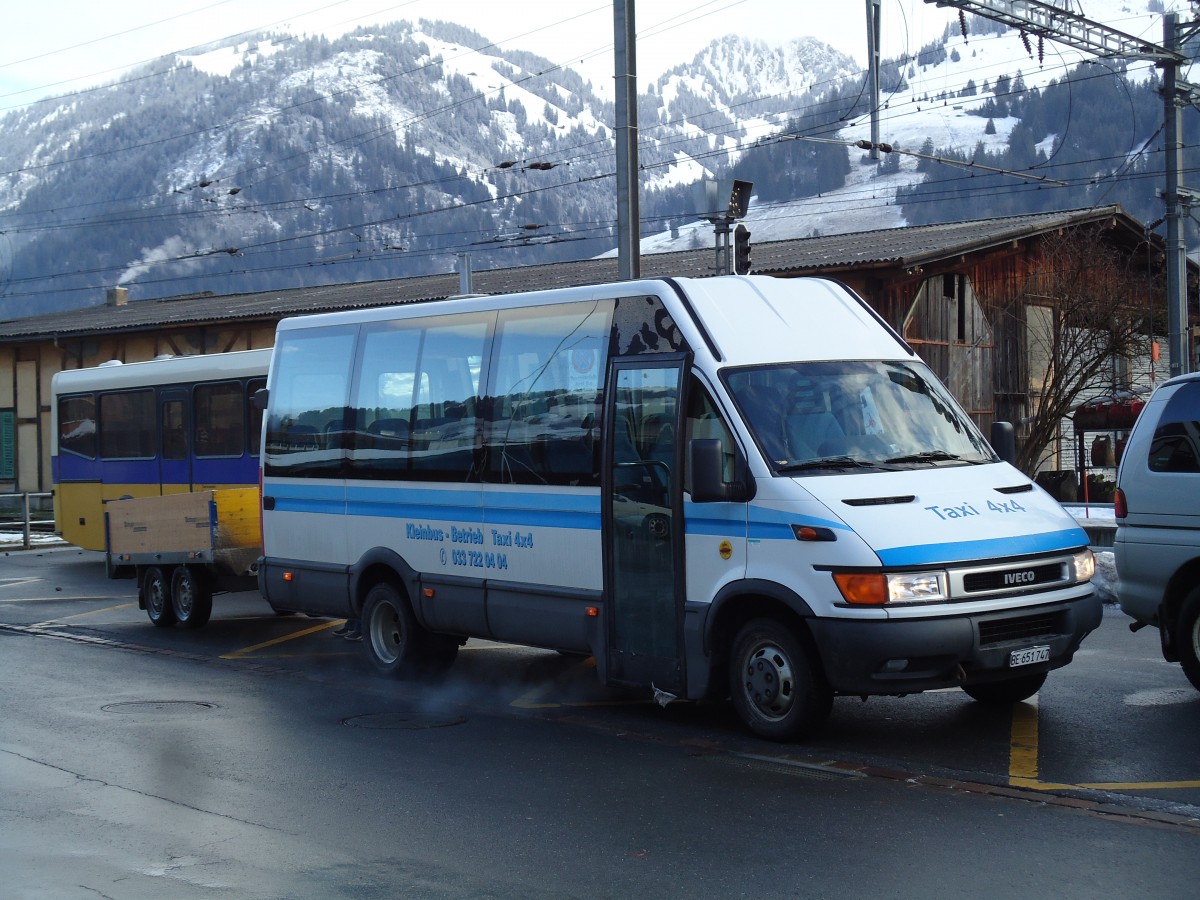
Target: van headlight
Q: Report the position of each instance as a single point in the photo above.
(1085, 565)
(879, 588)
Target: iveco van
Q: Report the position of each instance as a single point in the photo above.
(739, 486)
(1157, 504)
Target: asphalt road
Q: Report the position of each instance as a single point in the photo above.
(260, 757)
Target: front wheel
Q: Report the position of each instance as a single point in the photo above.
(1187, 637)
(156, 592)
(775, 681)
(1007, 692)
(191, 597)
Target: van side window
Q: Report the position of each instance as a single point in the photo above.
(415, 408)
(704, 421)
(543, 403)
(310, 387)
(1175, 446)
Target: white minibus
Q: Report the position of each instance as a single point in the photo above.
(738, 486)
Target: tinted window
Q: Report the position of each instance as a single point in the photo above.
(310, 384)
(1175, 446)
(415, 402)
(127, 425)
(643, 325)
(219, 417)
(543, 404)
(77, 425)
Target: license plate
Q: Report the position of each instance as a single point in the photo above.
(1028, 656)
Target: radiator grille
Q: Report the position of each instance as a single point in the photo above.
(1015, 578)
(1002, 631)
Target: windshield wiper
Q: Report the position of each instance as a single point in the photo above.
(931, 456)
(828, 462)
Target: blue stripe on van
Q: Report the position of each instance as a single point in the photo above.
(991, 548)
(580, 511)
(773, 524)
(525, 508)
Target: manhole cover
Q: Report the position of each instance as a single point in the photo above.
(158, 706)
(402, 721)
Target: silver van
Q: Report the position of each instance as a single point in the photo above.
(1157, 505)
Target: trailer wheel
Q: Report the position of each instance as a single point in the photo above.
(775, 681)
(156, 594)
(391, 633)
(1007, 692)
(191, 597)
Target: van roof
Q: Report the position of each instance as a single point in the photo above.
(755, 319)
(747, 319)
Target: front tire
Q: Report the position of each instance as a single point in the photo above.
(1187, 637)
(191, 597)
(1007, 692)
(156, 592)
(775, 682)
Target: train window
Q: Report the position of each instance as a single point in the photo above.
(253, 386)
(174, 432)
(127, 425)
(219, 414)
(77, 425)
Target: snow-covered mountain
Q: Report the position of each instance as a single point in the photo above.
(388, 152)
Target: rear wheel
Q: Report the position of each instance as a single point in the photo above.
(1007, 692)
(1187, 637)
(391, 633)
(156, 591)
(191, 597)
(775, 683)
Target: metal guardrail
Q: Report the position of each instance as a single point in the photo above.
(1095, 519)
(21, 514)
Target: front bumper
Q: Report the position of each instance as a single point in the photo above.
(905, 656)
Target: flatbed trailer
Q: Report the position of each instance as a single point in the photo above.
(183, 548)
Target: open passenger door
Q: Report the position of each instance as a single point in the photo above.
(643, 521)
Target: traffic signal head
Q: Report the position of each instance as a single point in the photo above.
(741, 250)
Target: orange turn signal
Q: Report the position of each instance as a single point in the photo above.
(287, 576)
(862, 589)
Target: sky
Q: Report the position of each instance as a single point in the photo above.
(85, 43)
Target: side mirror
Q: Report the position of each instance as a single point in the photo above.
(259, 399)
(1004, 441)
(707, 461)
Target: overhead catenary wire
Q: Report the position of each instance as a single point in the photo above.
(298, 237)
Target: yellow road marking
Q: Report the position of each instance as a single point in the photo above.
(236, 654)
(1023, 745)
(1023, 760)
(1141, 785)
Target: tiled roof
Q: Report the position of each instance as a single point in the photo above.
(908, 246)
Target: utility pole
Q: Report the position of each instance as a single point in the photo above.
(1044, 20)
(629, 238)
(873, 71)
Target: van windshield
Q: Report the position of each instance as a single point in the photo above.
(825, 417)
